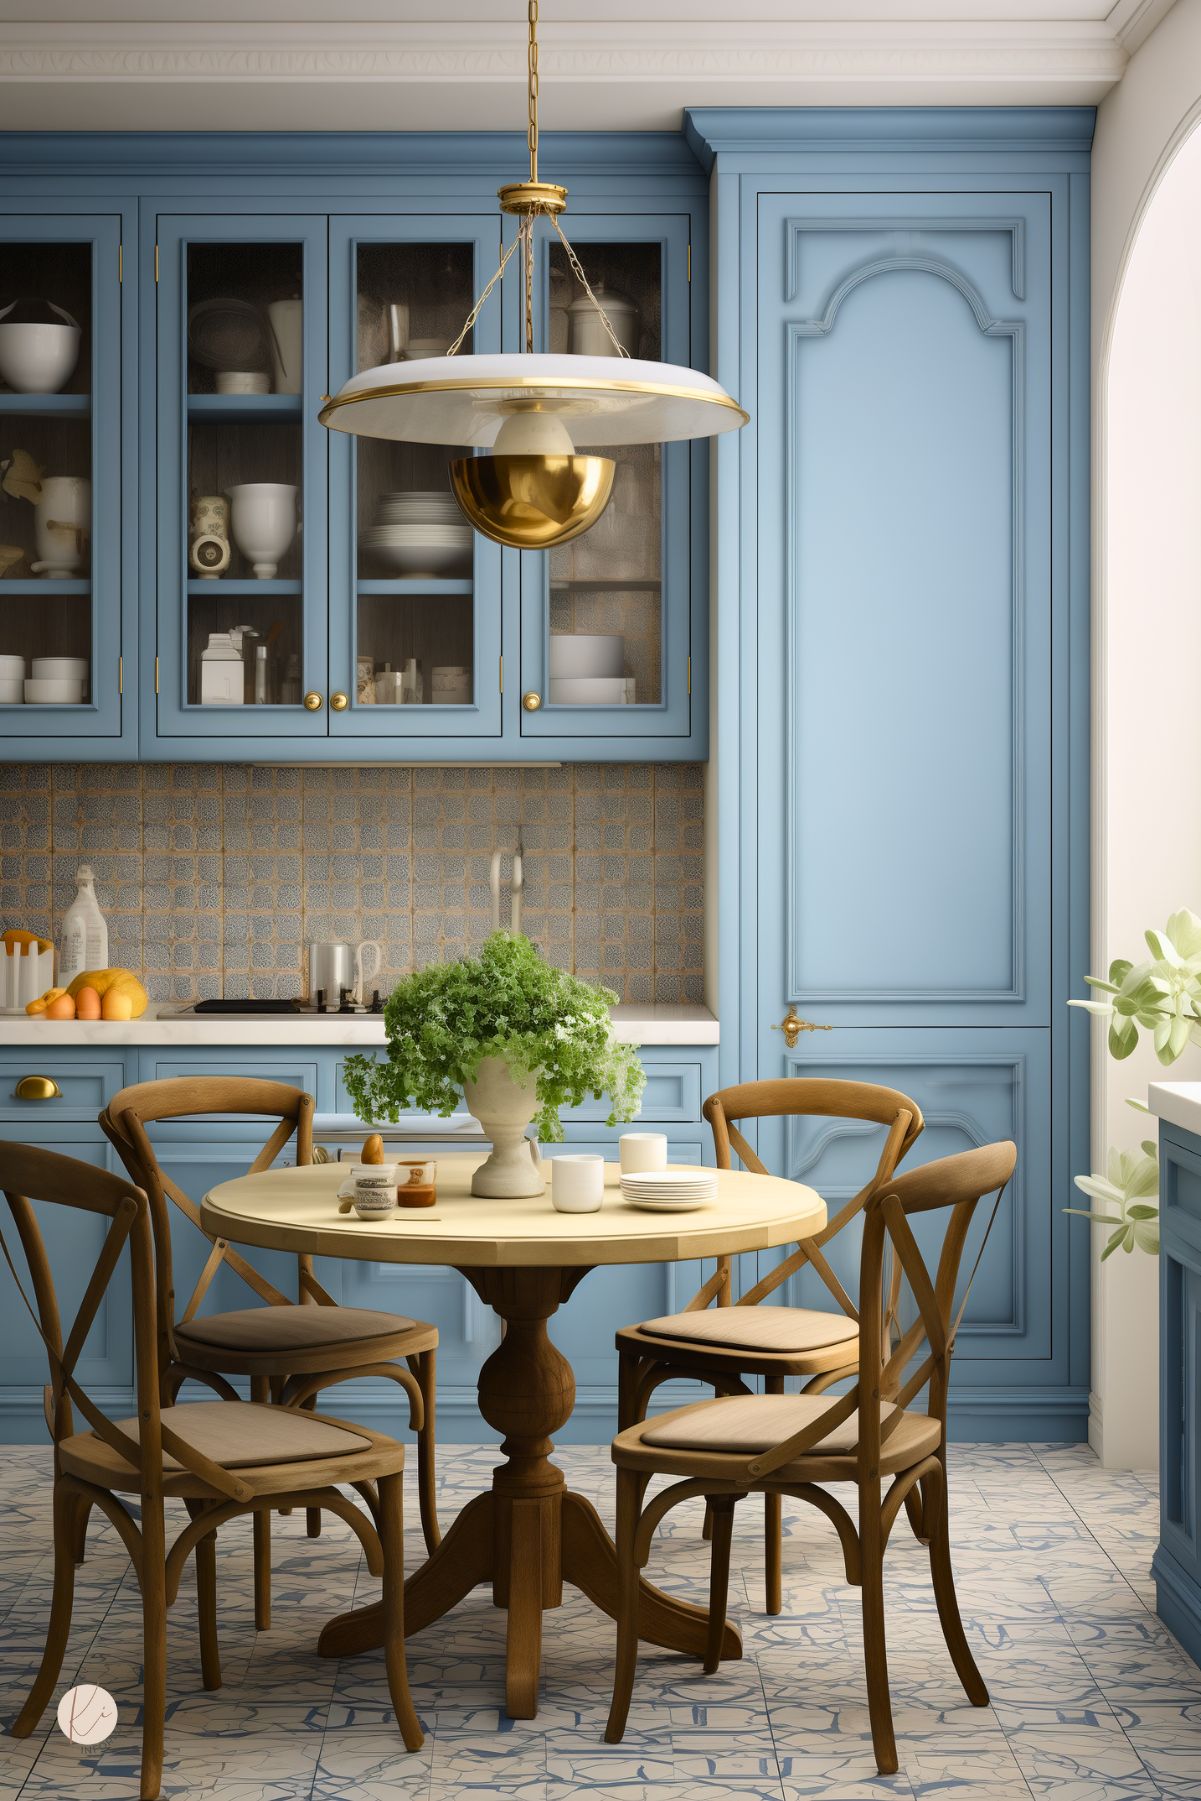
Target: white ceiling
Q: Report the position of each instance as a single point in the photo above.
(606, 64)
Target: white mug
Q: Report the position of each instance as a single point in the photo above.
(642, 1151)
(577, 1182)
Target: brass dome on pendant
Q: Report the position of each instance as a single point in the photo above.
(532, 502)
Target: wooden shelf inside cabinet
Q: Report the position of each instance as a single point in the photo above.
(17, 585)
(241, 585)
(431, 586)
(227, 409)
(55, 406)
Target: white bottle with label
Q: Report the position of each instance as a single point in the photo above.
(85, 935)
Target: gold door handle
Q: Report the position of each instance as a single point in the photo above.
(339, 702)
(531, 701)
(37, 1088)
(792, 1025)
(312, 701)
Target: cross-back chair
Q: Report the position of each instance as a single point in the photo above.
(737, 1445)
(721, 1341)
(289, 1350)
(219, 1458)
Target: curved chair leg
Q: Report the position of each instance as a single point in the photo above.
(915, 1509)
(392, 1540)
(206, 1605)
(79, 1535)
(312, 1515)
(721, 1509)
(875, 1647)
(154, 1647)
(427, 1469)
(773, 1528)
(260, 1390)
(66, 1510)
(629, 1504)
(943, 1578)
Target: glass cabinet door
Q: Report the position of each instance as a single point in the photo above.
(60, 474)
(417, 651)
(242, 476)
(605, 629)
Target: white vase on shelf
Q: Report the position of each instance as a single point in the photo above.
(505, 1105)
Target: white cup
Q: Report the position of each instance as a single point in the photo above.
(374, 1189)
(641, 1151)
(577, 1183)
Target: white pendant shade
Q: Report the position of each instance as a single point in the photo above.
(465, 400)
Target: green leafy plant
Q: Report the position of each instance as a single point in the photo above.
(1160, 995)
(508, 1002)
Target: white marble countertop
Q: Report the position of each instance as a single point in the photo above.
(165, 1024)
(1177, 1102)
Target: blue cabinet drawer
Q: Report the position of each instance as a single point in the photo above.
(297, 1070)
(672, 1097)
(85, 1083)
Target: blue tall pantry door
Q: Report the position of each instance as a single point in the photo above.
(904, 451)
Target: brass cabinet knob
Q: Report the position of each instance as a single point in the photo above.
(37, 1088)
(792, 1025)
(312, 701)
(531, 701)
(339, 702)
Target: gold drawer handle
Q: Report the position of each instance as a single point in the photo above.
(339, 702)
(792, 1025)
(37, 1088)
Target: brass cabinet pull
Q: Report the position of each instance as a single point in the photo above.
(792, 1025)
(313, 701)
(339, 702)
(531, 701)
(37, 1088)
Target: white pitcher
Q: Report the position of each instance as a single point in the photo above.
(62, 525)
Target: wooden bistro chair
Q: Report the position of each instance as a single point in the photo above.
(289, 1351)
(219, 1458)
(723, 1344)
(792, 1444)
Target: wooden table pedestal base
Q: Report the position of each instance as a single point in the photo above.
(529, 1534)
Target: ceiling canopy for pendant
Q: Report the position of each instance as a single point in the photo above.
(529, 413)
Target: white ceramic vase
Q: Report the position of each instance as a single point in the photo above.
(263, 522)
(505, 1104)
(62, 525)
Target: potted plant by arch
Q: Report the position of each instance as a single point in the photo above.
(517, 1037)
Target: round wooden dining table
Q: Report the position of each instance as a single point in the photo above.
(529, 1532)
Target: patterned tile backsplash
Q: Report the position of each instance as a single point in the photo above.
(214, 878)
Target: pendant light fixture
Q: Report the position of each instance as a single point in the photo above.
(537, 418)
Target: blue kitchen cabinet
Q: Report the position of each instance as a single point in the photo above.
(1177, 1562)
(901, 299)
(71, 591)
(638, 578)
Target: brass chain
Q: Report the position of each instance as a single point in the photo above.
(474, 314)
(578, 271)
(532, 128)
(527, 229)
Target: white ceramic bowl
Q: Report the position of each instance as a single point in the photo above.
(38, 359)
(54, 694)
(421, 559)
(61, 669)
(12, 668)
(12, 690)
(262, 518)
(587, 691)
(586, 654)
(242, 381)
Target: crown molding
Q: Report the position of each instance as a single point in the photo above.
(425, 76)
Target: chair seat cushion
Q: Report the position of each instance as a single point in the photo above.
(242, 1435)
(746, 1425)
(290, 1328)
(795, 1329)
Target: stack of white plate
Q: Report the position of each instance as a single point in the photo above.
(57, 681)
(670, 1190)
(12, 680)
(419, 532)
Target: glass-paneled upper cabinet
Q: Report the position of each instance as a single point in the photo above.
(421, 655)
(60, 463)
(242, 481)
(605, 618)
